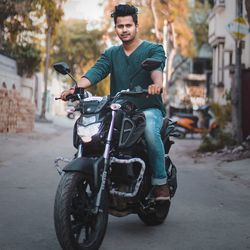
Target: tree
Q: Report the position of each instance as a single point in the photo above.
(10, 10)
(80, 48)
(76, 45)
(52, 9)
(198, 22)
(17, 34)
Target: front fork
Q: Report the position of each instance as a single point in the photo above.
(106, 157)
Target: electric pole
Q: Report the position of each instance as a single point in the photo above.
(238, 101)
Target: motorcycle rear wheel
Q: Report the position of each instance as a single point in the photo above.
(76, 226)
(157, 215)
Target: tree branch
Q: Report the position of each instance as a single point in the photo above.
(156, 20)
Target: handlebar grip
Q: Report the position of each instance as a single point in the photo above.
(68, 97)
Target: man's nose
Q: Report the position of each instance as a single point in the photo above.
(124, 29)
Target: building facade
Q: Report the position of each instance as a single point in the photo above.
(223, 44)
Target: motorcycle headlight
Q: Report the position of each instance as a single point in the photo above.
(86, 132)
(86, 120)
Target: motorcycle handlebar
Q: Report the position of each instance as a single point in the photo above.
(141, 92)
(123, 92)
(138, 92)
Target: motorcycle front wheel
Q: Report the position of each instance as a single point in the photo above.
(77, 227)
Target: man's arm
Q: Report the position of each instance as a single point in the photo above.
(95, 74)
(83, 83)
(157, 75)
(157, 78)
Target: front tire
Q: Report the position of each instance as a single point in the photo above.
(76, 226)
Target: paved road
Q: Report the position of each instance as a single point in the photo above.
(211, 209)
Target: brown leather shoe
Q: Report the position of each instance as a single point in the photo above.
(161, 193)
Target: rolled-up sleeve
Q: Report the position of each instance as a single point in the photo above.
(100, 70)
(157, 52)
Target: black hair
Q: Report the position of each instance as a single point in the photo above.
(125, 10)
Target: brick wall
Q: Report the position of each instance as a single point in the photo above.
(17, 113)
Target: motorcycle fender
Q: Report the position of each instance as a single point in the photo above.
(88, 166)
(83, 165)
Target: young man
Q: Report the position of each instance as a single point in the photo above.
(121, 62)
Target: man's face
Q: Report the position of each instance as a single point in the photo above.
(126, 29)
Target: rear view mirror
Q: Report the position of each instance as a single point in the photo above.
(150, 64)
(62, 68)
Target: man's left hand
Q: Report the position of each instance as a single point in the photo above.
(154, 89)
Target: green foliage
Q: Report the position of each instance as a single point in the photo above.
(28, 59)
(80, 48)
(210, 144)
(76, 45)
(222, 113)
(198, 21)
(52, 10)
(17, 21)
(27, 56)
(221, 138)
(18, 34)
(20, 29)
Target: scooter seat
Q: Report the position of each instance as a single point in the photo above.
(189, 116)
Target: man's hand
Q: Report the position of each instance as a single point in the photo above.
(65, 93)
(154, 89)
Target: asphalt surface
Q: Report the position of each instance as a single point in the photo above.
(211, 209)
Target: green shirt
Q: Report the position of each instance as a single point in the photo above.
(121, 68)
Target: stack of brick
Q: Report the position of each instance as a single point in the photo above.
(17, 114)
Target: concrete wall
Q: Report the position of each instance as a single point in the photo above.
(8, 73)
(33, 88)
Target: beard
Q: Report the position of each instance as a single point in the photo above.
(127, 38)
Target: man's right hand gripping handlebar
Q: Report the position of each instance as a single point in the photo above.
(65, 93)
(83, 83)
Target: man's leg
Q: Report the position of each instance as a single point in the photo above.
(154, 121)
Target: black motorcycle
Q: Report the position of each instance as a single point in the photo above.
(110, 173)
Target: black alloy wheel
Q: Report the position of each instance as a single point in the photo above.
(77, 227)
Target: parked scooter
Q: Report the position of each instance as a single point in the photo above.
(203, 122)
(70, 114)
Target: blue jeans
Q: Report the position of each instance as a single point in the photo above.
(156, 152)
